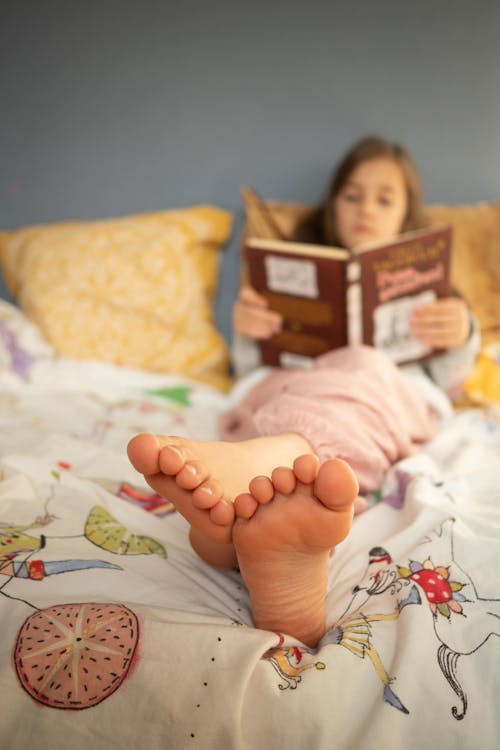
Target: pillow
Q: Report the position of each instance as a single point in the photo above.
(135, 291)
(476, 258)
(279, 220)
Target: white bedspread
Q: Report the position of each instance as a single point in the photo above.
(114, 635)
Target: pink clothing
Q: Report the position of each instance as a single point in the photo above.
(354, 404)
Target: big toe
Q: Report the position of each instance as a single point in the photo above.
(144, 452)
(336, 485)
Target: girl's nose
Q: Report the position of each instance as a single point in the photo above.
(367, 206)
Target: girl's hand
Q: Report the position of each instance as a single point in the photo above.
(251, 316)
(443, 324)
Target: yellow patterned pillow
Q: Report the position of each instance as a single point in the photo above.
(136, 291)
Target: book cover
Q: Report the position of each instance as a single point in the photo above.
(330, 297)
(390, 281)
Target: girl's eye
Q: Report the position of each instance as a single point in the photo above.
(351, 197)
(384, 201)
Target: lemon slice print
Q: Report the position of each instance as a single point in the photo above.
(105, 531)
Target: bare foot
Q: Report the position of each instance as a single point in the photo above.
(285, 528)
(202, 479)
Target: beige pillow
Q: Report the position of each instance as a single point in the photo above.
(135, 291)
(476, 258)
(279, 220)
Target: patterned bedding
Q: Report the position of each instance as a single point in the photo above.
(113, 633)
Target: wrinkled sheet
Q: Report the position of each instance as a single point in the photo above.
(113, 633)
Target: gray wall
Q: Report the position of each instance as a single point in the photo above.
(112, 107)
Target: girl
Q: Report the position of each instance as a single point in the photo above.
(279, 493)
(374, 195)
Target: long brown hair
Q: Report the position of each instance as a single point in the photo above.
(373, 147)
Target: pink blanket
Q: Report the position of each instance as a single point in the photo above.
(354, 404)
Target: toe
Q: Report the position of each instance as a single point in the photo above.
(262, 489)
(143, 452)
(222, 514)
(192, 474)
(171, 459)
(336, 485)
(245, 505)
(207, 494)
(306, 468)
(284, 480)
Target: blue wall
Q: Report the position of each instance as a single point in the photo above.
(111, 107)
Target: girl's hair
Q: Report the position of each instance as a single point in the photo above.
(373, 147)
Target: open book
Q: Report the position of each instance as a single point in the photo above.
(331, 297)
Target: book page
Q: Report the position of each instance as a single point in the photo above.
(292, 276)
(391, 327)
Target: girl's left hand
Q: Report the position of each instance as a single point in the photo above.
(443, 324)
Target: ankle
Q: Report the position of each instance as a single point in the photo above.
(308, 627)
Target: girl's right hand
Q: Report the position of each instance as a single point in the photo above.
(252, 317)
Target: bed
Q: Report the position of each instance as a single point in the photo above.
(114, 634)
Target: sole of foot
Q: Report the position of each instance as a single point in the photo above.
(285, 528)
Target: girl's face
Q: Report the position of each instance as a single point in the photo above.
(372, 204)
